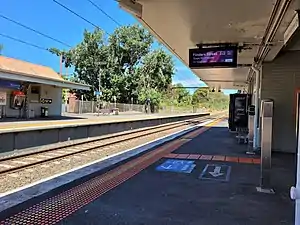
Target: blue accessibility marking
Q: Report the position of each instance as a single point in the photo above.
(179, 166)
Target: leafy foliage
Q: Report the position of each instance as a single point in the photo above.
(125, 66)
(122, 66)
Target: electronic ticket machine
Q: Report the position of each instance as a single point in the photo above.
(238, 111)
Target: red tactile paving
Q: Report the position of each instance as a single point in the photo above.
(256, 161)
(171, 155)
(215, 158)
(231, 159)
(245, 160)
(194, 156)
(206, 157)
(182, 156)
(218, 158)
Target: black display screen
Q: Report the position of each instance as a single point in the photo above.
(213, 57)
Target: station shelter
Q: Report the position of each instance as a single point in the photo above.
(29, 90)
(265, 36)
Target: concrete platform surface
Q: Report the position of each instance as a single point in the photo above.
(217, 188)
(7, 125)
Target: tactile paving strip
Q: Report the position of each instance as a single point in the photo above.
(248, 160)
(54, 209)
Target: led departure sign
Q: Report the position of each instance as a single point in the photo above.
(213, 57)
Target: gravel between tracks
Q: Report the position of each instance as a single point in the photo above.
(41, 171)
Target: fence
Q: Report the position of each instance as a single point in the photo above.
(179, 110)
(91, 107)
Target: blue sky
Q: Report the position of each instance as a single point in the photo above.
(49, 18)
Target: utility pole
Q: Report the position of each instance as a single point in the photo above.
(99, 91)
(60, 65)
(99, 87)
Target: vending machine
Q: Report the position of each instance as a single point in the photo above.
(238, 111)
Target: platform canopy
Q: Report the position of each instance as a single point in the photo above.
(18, 70)
(182, 24)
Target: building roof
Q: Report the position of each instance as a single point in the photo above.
(14, 69)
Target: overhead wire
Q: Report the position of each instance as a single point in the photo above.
(24, 42)
(81, 17)
(48, 36)
(105, 13)
(34, 30)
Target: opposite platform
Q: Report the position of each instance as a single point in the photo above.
(28, 134)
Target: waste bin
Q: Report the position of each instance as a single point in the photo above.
(44, 111)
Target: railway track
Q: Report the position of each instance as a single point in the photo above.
(19, 162)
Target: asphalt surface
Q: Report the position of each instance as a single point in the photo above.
(155, 197)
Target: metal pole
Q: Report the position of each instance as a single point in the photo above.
(60, 65)
(92, 106)
(81, 104)
(256, 103)
(98, 94)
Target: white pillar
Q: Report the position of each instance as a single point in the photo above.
(295, 191)
(256, 103)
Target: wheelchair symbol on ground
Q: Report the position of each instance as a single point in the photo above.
(179, 166)
(216, 172)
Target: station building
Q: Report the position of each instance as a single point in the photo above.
(29, 90)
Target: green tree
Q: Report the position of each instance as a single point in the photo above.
(127, 67)
(89, 59)
(201, 95)
(1, 48)
(127, 46)
(157, 70)
(181, 95)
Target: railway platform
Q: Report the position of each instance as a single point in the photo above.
(202, 177)
(28, 134)
(10, 125)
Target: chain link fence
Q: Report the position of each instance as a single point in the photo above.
(91, 107)
(81, 107)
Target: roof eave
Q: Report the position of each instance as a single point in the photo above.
(40, 80)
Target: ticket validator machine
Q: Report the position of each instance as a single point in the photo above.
(266, 115)
(251, 114)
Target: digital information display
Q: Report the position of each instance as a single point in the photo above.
(213, 57)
